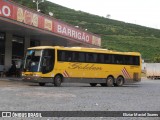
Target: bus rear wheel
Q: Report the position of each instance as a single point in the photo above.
(93, 84)
(119, 81)
(42, 84)
(109, 82)
(57, 80)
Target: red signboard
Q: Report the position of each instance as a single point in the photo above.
(6, 9)
(71, 32)
(26, 16)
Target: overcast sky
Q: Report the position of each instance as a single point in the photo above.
(142, 12)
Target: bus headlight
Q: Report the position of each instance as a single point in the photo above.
(35, 75)
(23, 75)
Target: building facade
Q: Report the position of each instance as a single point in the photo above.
(21, 27)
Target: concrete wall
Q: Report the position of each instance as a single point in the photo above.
(26, 43)
(8, 51)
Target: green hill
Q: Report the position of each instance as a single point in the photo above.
(116, 35)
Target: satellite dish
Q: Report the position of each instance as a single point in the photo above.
(50, 13)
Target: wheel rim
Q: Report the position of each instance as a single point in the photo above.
(57, 81)
(110, 82)
(119, 81)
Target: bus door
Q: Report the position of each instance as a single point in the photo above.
(47, 62)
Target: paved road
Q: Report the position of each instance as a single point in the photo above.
(20, 96)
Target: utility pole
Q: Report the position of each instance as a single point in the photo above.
(37, 4)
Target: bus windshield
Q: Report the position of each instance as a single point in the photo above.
(39, 61)
(32, 60)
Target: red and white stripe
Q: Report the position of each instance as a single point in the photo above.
(65, 74)
(125, 73)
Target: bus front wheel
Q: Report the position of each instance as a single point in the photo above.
(93, 84)
(109, 81)
(57, 80)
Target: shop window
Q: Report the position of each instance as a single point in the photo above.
(17, 47)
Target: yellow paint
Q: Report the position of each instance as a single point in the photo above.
(88, 70)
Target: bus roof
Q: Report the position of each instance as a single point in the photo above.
(84, 49)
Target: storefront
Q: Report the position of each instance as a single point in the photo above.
(21, 27)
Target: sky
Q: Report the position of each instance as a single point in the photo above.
(141, 12)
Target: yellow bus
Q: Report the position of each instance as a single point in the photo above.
(56, 64)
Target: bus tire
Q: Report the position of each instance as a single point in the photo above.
(57, 80)
(42, 84)
(119, 81)
(109, 81)
(103, 84)
(93, 84)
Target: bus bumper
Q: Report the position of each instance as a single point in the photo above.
(35, 79)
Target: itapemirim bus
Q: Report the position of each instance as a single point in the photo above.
(56, 64)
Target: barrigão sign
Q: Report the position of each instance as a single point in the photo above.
(30, 17)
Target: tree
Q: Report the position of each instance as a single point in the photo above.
(157, 59)
(108, 16)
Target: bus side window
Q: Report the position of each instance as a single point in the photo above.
(89, 57)
(95, 58)
(68, 56)
(61, 55)
(75, 56)
(107, 58)
(136, 60)
(100, 58)
(127, 60)
(81, 57)
(118, 59)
